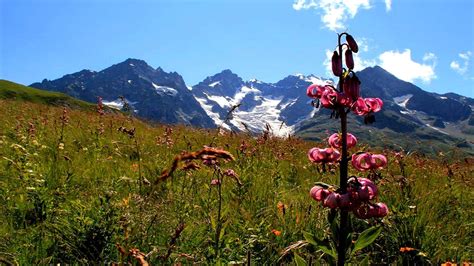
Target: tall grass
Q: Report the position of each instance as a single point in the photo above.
(92, 196)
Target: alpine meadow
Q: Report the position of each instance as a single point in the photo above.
(368, 162)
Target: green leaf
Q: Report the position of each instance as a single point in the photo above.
(365, 261)
(322, 184)
(366, 238)
(299, 260)
(309, 238)
(321, 245)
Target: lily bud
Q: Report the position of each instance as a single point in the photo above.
(352, 43)
(336, 64)
(349, 59)
(351, 87)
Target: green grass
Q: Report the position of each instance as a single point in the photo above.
(69, 192)
(11, 90)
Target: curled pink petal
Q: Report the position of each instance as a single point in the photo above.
(332, 200)
(361, 161)
(367, 182)
(364, 211)
(345, 201)
(329, 97)
(343, 99)
(315, 91)
(328, 155)
(379, 161)
(374, 104)
(367, 161)
(359, 107)
(381, 210)
(318, 193)
(335, 140)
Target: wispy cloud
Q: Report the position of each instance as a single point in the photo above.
(388, 5)
(462, 67)
(336, 12)
(404, 67)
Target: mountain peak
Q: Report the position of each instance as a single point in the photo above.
(135, 61)
(227, 72)
(226, 76)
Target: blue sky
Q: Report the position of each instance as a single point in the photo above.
(427, 42)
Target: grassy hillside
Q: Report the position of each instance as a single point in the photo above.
(14, 91)
(83, 187)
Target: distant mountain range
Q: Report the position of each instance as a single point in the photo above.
(283, 107)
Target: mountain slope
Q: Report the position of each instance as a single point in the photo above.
(431, 121)
(13, 91)
(278, 107)
(226, 100)
(152, 93)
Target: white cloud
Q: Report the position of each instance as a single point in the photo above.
(335, 12)
(462, 68)
(430, 57)
(402, 65)
(388, 5)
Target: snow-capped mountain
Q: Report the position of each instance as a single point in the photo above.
(152, 93)
(255, 105)
(408, 110)
(226, 100)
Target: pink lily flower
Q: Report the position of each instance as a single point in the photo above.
(367, 161)
(332, 200)
(318, 193)
(328, 155)
(335, 140)
(381, 210)
(314, 91)
(374, 104)
(329, 97)
(360, 107)
(364, 211)
(345, 201)
(343, 99)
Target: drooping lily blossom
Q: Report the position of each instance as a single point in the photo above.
(327, 155)
(343, 99)
(345, 201)
(361, 189)
(375, 104)
(367, 161)
(332, 200)
(359, 107)
(336, 142)
(364, 211)
(314, 91)
(329, 98)
(381, 209)
(363, 182)
(366, 106)
(318, 193)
